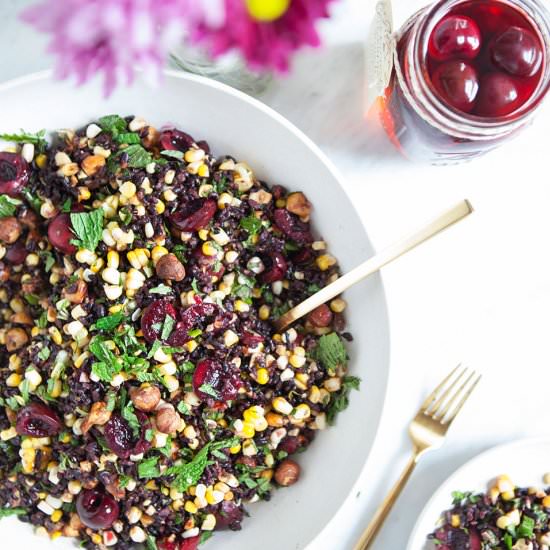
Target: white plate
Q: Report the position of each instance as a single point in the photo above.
(525, 461)
(279, 153)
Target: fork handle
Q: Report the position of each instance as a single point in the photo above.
(369, 534)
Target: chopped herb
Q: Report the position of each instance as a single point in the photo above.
(330, 352)
(35, 202)
(173, 349)
(161, 289)
(291, 247)
(44, 353)
(149, 434)
(195, 287)
(26, 137)
(251, 224)
(190, 473)
(151, 543)
(24, 389)
(48, 259)
(340, 400)
(179, 251)
(88, 227)
(8, 205)
(508, 541)
(125, 215)
(205, 535)
(178, 155)
(110, 322)
(209, 390)
(108, 364)
(129, 138)
(66, 206)
(113, 124)
(194, 332)
(130, 416)
(526, 527)
(42, 321)
(138, 157)
(221, 186)
(167, 449)
(183, 408)
(5, 512)
(154, 348)
(111, 400)
(167, 327)
(123, 481)
(313, 288)
(32, 299)
(148, 468)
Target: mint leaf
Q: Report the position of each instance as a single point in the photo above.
(526, 528)
(5, 512)
(110, 322)
(167, 327)
(88, 227)
(339, 401)
(8, 206)
(130, 416)
(26, 137)
(129, 138)
(161, 289)
(178, 155)
(151, 543)
(330, 352)
(251, 224)
(108, 364)
(138, 157)
(209, 390)
(148, 469)
(190, 473)
(114, 124)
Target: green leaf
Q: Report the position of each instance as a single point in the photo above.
(138, 157)
(26, 137)
(110, 322)
(35, 202)
(195, 287)
(5, 512)
(251, 224)
(42, 321)
(178, 155)
(526, 527)
(8, 206)
(193, 333)
(66, 207)
(190, 473)
(123, 481)
(25, 387)
(183, 408)
(205, 535)
(130, 416)
(125, 215)
(161, 289)
(114, 124)
(209, 390)
(330, 352)
(111, 401)
(151, 543)
(88, 227)
(32, 299)
(108, 364)
(167, 327)
(508, 541)
(148, 468)
(129, 138)
(44, 353)
(340, 400)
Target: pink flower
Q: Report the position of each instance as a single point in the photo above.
(264, 45)
(110, 36)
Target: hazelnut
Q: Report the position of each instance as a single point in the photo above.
(170, 268)
(92, 164)
(32, 286)
(29, 218)
(150, 138)
(116, 490)
(4, 272)
(16, 338)
(10, 229)
(261, 197)
(76, 292)
(287, 473)
(98, 416)
(167, 419)
(21, 318)
(296, 203)
(321, 316)
(146, 398)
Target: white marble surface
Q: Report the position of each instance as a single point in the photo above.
(480, 294)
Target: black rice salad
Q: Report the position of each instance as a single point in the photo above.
(504, 518)
(144, 395)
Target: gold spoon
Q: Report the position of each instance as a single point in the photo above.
(427, 231)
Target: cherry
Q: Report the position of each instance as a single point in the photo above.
(228, 516)
(16, 253)
(37, 420)
(175, 140)
(475, 541)
(60, 234)
(223, 384)
(292, 226)
(14, 173)
(457, 83)
(195, 316)
(454, 37)
(191, 543)
(303, 256)
(153, 318)
(251, 339)
(498, 95)
(194, 215)
(321, 316)
(517, 51)
(97, 509)
(276, 267)
(118, 436)
(168, 544)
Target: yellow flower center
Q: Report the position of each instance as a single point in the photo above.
(267, 10)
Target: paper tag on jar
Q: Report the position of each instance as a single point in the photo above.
(379, 52)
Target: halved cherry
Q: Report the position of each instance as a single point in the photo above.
(454, 37)
(194, 215)
(153, 318)
(175, 140)
(228, 516)
(251, 339)
(498, 95)
(37, 420)
(60, 234)
(292, 226)
(321, 316)
(97, 509)
(213, 380)
(517, 51)
(191, 543)
(275, 267)
(14, 174)
(119, 436)
(457, 84)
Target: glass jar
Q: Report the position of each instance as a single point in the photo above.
(426, 128)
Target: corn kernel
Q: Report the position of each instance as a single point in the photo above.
(13, 380)
(160, 207)
(264, 312)
(230, 338)
(128, 189)
(56, 534)
(157, 253)
(113, 259)
(301, 412)
(56, 389)
(280, 404)
(208, 249)
(244, 429)
(325, 261)
(27, 459)
(297, 361)
(235, 449)
(191, 346)
(56, 516)
(262, 376)
(41, 160)
(338, 305)
(253, 413)
(203, 234)
(97, 266)
(171, 382)
(10, 433)
(241, 307)
(203, 171)
(190, 507)
(274, 420)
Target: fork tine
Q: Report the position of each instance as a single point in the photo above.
(455, 412)
(430, 399)
(444, 408)
(435, 406)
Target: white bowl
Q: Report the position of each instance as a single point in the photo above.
(236, 124)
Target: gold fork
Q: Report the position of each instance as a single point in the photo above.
(427, 432)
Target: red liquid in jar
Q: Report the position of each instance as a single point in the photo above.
(484, 60)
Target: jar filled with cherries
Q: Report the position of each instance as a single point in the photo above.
(468, 75)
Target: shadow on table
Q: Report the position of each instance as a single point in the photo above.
(325, 97)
